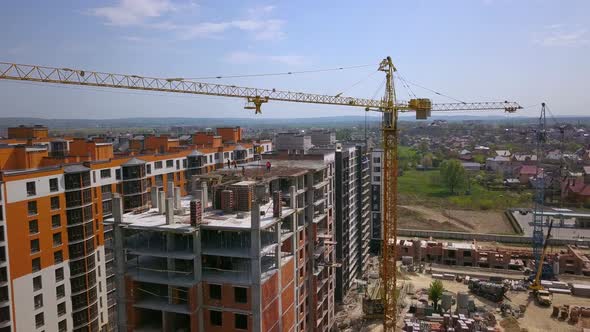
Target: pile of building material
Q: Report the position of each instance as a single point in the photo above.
(582, 290)
(449, 323)
(556, 287)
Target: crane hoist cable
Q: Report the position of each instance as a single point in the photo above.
(279, 73)
(435, 92)
(357, 83)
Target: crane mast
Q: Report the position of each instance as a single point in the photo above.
(255, 97)
(389, 132)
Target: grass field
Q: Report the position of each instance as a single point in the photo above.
(424, 187)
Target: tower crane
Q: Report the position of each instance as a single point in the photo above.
(388, 105)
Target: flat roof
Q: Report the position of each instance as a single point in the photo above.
(212, 219)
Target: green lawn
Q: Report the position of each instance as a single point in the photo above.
(424, 187)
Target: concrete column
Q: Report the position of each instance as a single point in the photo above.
(205, 199)
(177, 198)
(170, 189)
(161, 202)
(198, 276)
(309, 237)
(295, 262)
(154, 197)
(255, 288)
(169, 211)
(195, 184)
(278, 262)
(293, 194)
(171, 267)
(119, 257)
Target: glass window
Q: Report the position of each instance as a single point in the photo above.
(31, 189)
(57, 239)
(62, 326)
(170, 163)
(37, 283)
(59, 274)
(33, 226)
(39, 320)
(215, 318)
(53, 186)
(5, 314)
(61, 309)
(105, 173)
(148, 168)
(60, 291)
(241, 322)
(215, 292)
(32, 208)
(35, 246)
(4, 294)
(36, 264)
(38, 301)
(241, 294)
(158, 165)
(58, 257)
(55, 220)
(55, 202)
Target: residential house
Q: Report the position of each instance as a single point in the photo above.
(465, 155)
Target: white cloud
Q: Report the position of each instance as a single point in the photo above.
(259, 29)
(156, 14)
(559, 36)
(261, 10)
(132, 12)
(241, 57)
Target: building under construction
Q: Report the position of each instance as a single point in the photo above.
(251, 249)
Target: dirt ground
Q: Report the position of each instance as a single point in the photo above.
(421, 217)
(536, 318)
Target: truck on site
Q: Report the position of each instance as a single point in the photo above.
(492, 291)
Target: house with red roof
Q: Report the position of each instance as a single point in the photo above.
(526, 172)
(578, 189)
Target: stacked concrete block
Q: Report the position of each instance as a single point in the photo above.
(242, 198)
(227, 201)
(196, 212)
(277, 204)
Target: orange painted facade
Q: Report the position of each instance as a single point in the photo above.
(230, 134)
(28, 132)
(91, 149)
(22, 163)
(160, 144)
(208, 139)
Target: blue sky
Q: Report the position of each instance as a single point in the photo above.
(473, 50)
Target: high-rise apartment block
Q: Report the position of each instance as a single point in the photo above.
(352, 200)
(249, 249)
(56, 268)
(352, 215)
(376, 192)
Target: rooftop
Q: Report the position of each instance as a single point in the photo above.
(212, 219)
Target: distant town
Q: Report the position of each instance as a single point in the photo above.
(245, 228)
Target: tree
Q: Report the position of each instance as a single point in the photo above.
(427, 161)
(435, 292)
(452, 174)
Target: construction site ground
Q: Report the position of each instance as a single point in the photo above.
(427, 218)
(350, 317)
